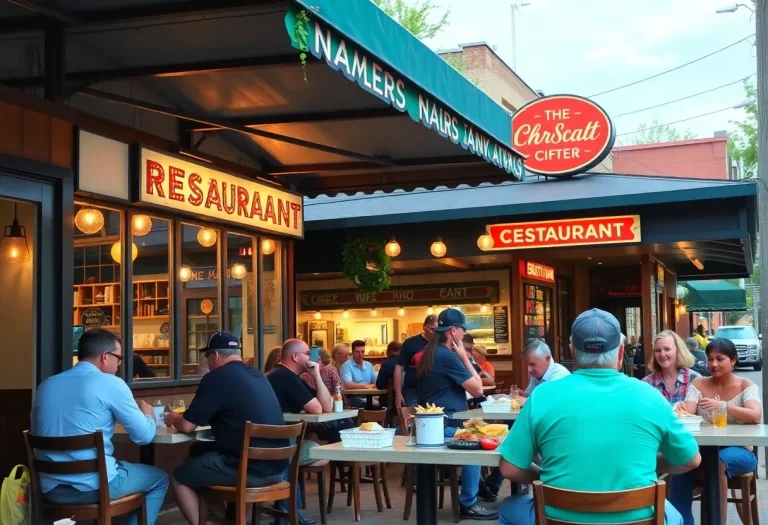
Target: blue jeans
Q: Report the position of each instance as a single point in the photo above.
(518, 510)
(737, 461)
(282, 505)
(410, 397)
(131, 478)
(470, 477)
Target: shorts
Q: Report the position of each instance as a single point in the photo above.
(737, 461)
(306, 446)
(213, 468)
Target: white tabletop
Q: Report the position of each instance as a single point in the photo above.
(732, 436)
(168, 436)
(319, 418)
(478, 412)
(359, 392)
(399, 452)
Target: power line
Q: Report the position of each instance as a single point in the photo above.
(675, 122)
(673, 69)
(685, 98)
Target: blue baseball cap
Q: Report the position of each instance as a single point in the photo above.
(222, 341)
(596, 331)
(449, 318)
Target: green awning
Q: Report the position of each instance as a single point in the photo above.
(714, 296)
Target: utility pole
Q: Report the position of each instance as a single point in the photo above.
(515, 7)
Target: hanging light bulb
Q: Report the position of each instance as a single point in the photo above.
(438, 248)
(345, 314)
(238, 271)
(14, 248)
(89, 220)
(401, 312)
(485, 242)
(374, 312)
(141, 225)
(206, 237)
(185, 273)
(318, 315)
(484, 308)
(392, 248)
(430, 310)
(115, 252)
(267, 246)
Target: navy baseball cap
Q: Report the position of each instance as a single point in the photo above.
(449, 318)
(596, 331)
(222, 341)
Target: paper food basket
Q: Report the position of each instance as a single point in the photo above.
(355, 438)
(494, 406)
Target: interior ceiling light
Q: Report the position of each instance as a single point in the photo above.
(14, 247)
(89, 220)
(206, 237)
(267, 246)
(238, 271)
(185, 274)
(141, 225)
(115, 252)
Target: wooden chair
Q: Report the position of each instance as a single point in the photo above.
(319, 470)
(746, 502)
(600, 502)
(101, 512)
(447, 476)
(241, 494)
(350, 472)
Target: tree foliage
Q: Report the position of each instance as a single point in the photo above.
(656, 132)
(742, 143)
(417, 19)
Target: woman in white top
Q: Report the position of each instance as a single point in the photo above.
(742, 403)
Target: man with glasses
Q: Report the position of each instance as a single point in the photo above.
(228, 396)
(89, 398)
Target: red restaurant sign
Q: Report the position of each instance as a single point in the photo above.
(567, 232)
(562, 135)
(536, 271)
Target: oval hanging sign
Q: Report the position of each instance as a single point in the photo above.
(562, 135)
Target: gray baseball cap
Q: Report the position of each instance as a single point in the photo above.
(596, 331)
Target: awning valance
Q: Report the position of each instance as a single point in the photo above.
(714, 296)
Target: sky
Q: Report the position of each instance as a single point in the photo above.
(585, 47)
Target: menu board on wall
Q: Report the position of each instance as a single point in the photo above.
(500, 324)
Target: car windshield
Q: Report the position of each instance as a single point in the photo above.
(740, 332)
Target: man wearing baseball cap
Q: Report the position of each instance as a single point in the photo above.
(583, 424)
(445, 375)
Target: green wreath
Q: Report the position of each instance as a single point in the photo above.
(367, 264)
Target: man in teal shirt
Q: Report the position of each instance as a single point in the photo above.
(584, 424)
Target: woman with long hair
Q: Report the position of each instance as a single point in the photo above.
(740, 399)
(670, 365)
(272, 358)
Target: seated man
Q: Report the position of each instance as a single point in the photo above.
(445, 374)
(541, 367)
(87, 399)
(582, 443)
(228, 396)
(469, 343)
(358, 373)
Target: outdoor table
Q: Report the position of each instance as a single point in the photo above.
(367, 393)
(425, 459)
(163, 436)
(494, 416)
(291, 417)
(709, 439)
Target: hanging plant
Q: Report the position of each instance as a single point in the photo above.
(367, 264)
(301, 37)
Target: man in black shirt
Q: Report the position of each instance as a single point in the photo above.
(406, 388)
(293, 394)
(228, 396)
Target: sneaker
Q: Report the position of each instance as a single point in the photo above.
(478, 512)
(485, 494)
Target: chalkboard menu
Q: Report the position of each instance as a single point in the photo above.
(93, 318)
(500, 324)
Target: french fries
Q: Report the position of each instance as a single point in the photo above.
(429, 409)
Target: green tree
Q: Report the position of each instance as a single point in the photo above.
(656, 132)
(742, 143)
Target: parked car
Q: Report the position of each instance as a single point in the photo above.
(747, 343)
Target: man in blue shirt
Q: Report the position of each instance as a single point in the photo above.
(358, 373)
(87, 399)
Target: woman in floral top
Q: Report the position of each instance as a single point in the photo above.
(670, 366)
(742, 403)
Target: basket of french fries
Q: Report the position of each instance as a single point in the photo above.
(428, 425)
(691, 422)
(500, 404)
(367, 435)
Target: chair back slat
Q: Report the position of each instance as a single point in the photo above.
(85, 466)
(66, 443)
(372, 416)
(599, 502)
(271, 454)
(273, 431)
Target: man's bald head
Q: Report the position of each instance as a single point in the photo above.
(294, 355)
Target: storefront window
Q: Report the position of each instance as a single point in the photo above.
(241, 285)
(271, 294)
(97, 260)
(199, 274)
(152, 334)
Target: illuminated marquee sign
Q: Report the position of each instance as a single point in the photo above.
(567, 232)
(185, 186)
(537, 272)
